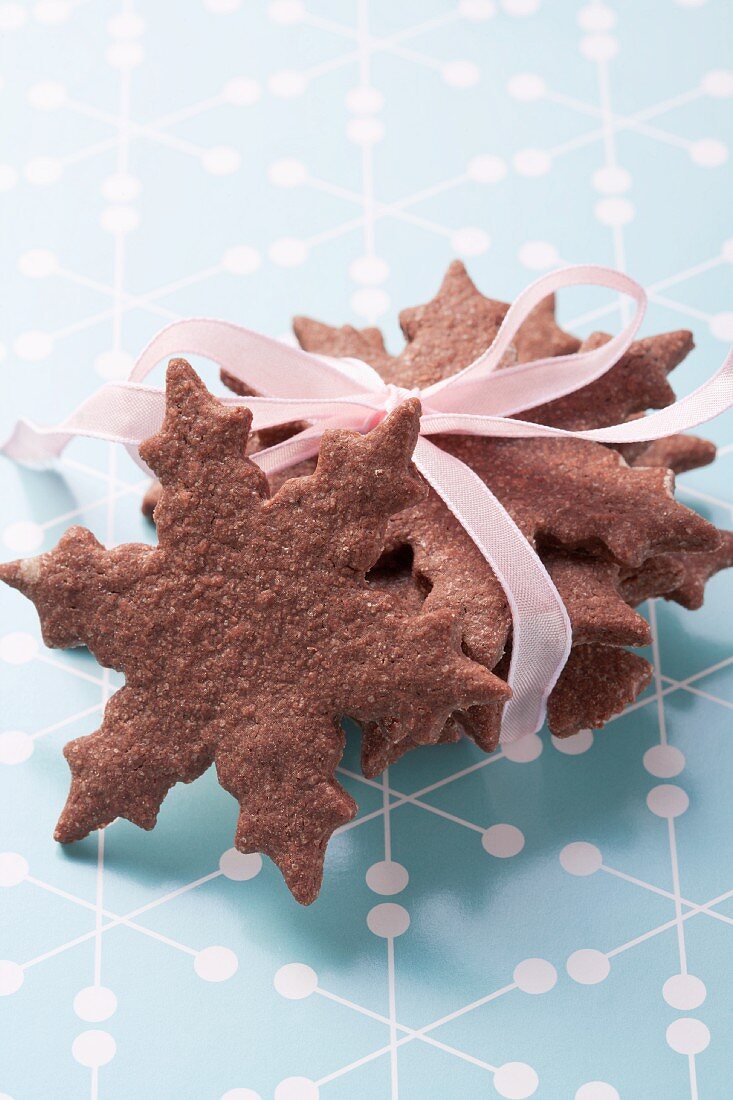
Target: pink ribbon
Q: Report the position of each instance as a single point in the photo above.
(479, 400)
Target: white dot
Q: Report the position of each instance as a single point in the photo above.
(684, 992)
(370, 302)
(575, 745)
(721, 325)
(664, 761)
(580, 858)
(368, 270)
(38, 263)
(11, 977)
(287, 173)
(17, 649)
(535, 976)
(286, 11)
(119, 219)
(516, 1081)
(43, 170)
(240, 866)
(223, 7)
(95, 1003)
(470, 241)
(688, 1036)
(295, 981)
(709, 153)
(388, 919)
(523, 751)
(297, 1088)
(477, 9)
(365, 130)
(718, 83)
(486, 168)
(47, 96)
(222, 160)
(599, 47)
(215, 964)
(532, 162)
(288, 252)
(125, 55)
(614, 211)
(666, 800)
(526, 87)
(127, 24)
(538, 255)
(241, 260)
(460, 74)
(23, 537)
(8, 177)
(33, 346)
(364, 100)
(597, 1090)
(13, 869)
(503, 841)
(611, 180)
(727, 250)
(94, 1048)
(114, 364)
(596, 17)
(121, 187)
(52, 12)
(240, 1094)
(520, 7)
(387, 877)
(241, 91)
(287, 84)
(12, 16)
(588, 966)
(15, 747)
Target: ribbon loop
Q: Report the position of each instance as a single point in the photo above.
(492, 392)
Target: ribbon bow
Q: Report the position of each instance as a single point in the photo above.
(478, 400)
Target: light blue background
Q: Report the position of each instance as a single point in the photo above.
(92, 265)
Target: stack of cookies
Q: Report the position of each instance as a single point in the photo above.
(345, 587)
(606, 525)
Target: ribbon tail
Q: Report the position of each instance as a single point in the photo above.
(710, 399)
(117, 413)
(34, 446)
(542, 635)
(128, 413)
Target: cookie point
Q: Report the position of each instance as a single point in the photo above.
(456, 267)
(684, 342)
(11, 573)
(407, 414)
(303, 876)
(64, 833)
(180, 376)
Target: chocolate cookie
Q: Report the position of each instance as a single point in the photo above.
(249, 631)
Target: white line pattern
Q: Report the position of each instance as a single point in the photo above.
(593, 880)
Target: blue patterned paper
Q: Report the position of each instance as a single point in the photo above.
(553, 921)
